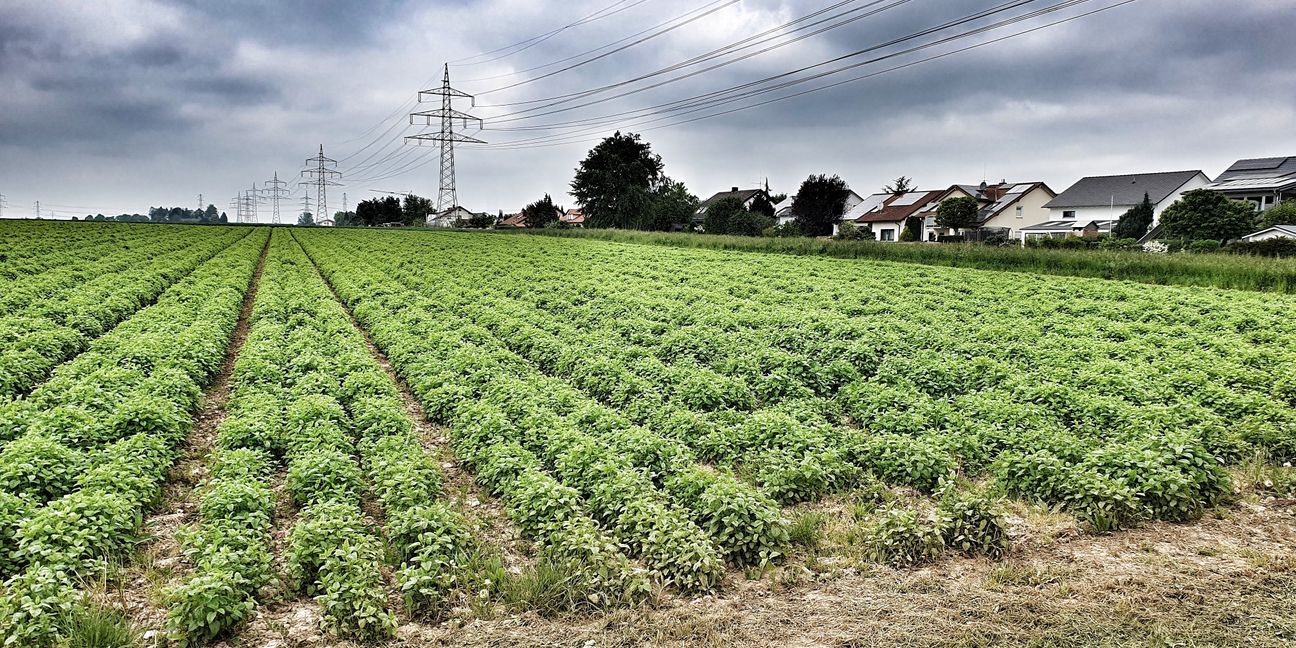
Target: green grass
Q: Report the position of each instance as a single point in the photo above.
(1214, 270)
(99, 627)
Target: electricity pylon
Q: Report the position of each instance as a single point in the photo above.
(447, 196)
(322, 177)
(275, 191)
(305, 207)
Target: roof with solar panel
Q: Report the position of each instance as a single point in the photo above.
(1258, 174)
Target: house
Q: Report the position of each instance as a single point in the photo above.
(886, 213)
(1264, 182)
(325, 222)
(449, 217)
(573, 218)
(1006, 207)
(745, 196)
(1275, 232)
(513, 220)
(1106, 198)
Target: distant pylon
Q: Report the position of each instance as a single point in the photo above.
(447, 196)
(306, 207)
(200, 203)
(322, 177)
(275, 190)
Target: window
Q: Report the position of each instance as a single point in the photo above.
(1019, 211)
(888, 235)
(1070, 213)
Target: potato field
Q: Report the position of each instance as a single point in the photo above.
(315, 436)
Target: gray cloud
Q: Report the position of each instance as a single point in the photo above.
(152, 101)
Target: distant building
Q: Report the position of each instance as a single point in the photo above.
(1006, 208)
(1265, 182)
(885, 213)
(1106, 198)
(513, 220)
(325, 222)
(573, 217)
(1275, 232)
(744, 196)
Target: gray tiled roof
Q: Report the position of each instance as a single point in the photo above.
(1100, 191)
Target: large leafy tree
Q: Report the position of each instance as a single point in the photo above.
(377, 211)
(1205, 215)
(819, 203)
(1135, 222)
(614, 183)
(722, 215)
(416, 209)
(306, 219)
(541, 212)
(957, 213)
(672, 206)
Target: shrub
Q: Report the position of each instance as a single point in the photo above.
(904, 460)
(78, 531)
(323, 474)
(747, 527)
(32, 606)
(208, 604)
(39, 468)
(352, 596)
(973, 524)
(900, 539)
(13, 510)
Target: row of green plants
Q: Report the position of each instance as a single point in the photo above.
(81, 499)
(310, 397)
(1252, 272)
(680, 339)
(52, 316)
(36, 251)
(559, 428)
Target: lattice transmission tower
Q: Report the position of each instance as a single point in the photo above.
(447, 196)
(320, 171)
(275, 191)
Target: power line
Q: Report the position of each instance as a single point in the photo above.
(555, 140)
(536, 40)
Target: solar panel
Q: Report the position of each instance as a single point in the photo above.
(1258, 164)
(909, 198)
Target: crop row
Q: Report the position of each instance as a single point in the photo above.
(80, 482)
(310, 397)
(55, 315)
(496, 401)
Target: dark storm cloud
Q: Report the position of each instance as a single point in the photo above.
(257, 86)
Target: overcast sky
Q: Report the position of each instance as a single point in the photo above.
(116, 105)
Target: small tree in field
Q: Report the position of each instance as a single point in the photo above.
(1205, 215)
(819, 203)
(306, 218)
(1135, 222)
(957, 213)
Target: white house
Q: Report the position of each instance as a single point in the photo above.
(1275, 232)
(1264, 182)
(449, 217)
(1005, 207)
(886, 213)
(1106, 198)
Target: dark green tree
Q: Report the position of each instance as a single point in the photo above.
(541, 213)
(415, 210)
(377, 211)
(479, 221)
(912, 229)
(957, 213)
(1205, 215)
(762, 205)
(1135, 222)
(721, 215)
(903, 184)
(672, 206)
(613, 183)
(306, 219)
(819, 203)
(210, 214)
(224, 218)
